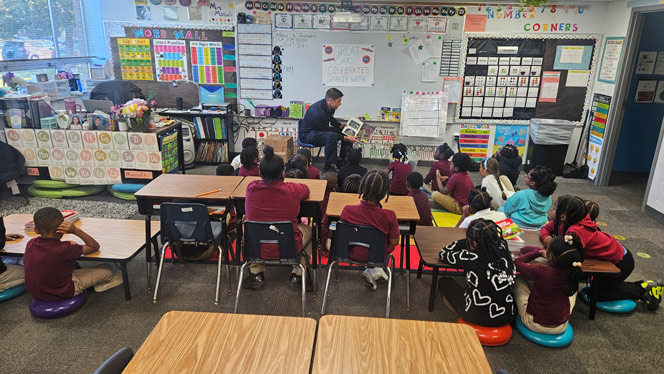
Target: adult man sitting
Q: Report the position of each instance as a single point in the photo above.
(321, 129)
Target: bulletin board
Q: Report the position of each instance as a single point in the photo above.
(511, 79)
(153, 56)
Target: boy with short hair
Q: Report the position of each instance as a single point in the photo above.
(414, 182)
(246, 143)
(49, 263)
(453, 191)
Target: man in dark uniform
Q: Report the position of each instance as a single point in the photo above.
(320, 128)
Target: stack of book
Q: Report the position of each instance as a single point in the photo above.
(211, 128)
(69, 215)
(215, 152)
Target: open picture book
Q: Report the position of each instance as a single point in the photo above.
(359, 129)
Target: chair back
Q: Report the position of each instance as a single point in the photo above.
(117, 362)
(348, 235)
(299, 137)
(277, 233)
(185, 222)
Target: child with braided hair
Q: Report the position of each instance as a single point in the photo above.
(479, 206)
(400, 168)
(486, 299)
(546, 306)
(374, 187)
(528, 208)
(498, 186)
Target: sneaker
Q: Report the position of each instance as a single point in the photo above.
(367, 275)
(296, 282)
(652, 294)
(115, 281)
(379, 275)
(332, 168)
(254, 281)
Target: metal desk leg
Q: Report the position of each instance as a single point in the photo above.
(148, 250)
(125, 280)
(408, 272)
(420, 267)
(592, 294)
(315, 234)
(434, 286)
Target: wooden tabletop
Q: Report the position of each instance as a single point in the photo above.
(119, 239)
(403, 206)
(194, 342)
(348, 344)
(316, 188)
(188, 186)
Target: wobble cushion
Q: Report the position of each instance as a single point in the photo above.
(57, 309)
(47, 183)
(122, 195)
(55, 193)
(127, 187)
(11, 292)
(491, 336)
(615, 306)
(553, 341)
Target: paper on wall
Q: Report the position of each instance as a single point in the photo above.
(28, 138)
(86, 157)
(74, 139)
(418, 52)
(58, 157)
(85, 175)
(577, 78)
(113, 176)
(452, 86)
(571, 54)
(72, 157)
(430, 71)
(549, 87)
(43, 157)
(659, 66)
(71, 175)
(646, 62)
(113, 158)
(99, 175)
(56, 173)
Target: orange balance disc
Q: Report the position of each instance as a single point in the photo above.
(491, 336)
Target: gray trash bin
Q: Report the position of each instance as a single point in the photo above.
(548, 143)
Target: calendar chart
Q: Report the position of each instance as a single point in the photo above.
(170, 58)
(135, 59)
(207, 62)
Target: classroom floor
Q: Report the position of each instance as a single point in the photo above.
(79, 343)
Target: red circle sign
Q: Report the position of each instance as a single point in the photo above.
(366, 59)
(328, 49)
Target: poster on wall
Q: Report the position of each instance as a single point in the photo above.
(135, 59)
(514, 135)
(646, 62)
(659, 66)
(659, 94)
(221, 15)
(207, 63)
(600, 112)
(608, 70)
(474, 140)
(348, 65)
(645, 91)
(170, 58)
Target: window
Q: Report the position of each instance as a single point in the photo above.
(41, 29)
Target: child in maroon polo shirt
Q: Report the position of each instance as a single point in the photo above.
(373, 188)
(313, 172)
(415, 182)
(249, 159)
(442, 165)
(453, 192)
(400, 168)
(49, 263)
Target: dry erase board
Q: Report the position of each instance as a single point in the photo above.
(516, 78)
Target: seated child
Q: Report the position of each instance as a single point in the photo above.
(351, 166)
(442, 165)
(373, 188)
(352, 184)
(498, 186)
(298, 166)
(10, 275)
(313, 172)
(49, 263)
(479, 206)
(453, 191)
(486, 299)
(261, 205)
(510, 162)
(247, 142)
(225, 169)
(571, 218)
(414, 181)
(592, 208)
(546, 306)
(249, 158)
(528, 208)
(399, 168)
(331, 178)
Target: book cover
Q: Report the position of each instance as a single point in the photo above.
(510, 229)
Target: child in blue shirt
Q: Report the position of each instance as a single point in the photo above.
(529, 208)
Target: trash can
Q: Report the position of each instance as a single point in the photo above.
(548, 143)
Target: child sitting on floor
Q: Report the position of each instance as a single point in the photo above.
(249, 158)
(479, 206)
(297, 167)
(510, 162)
(528, 208)
(10, 275)
(351, 166)
(373, 188)
(246, 143)
(592, 208)
(453, 192)
(442, 165)
(313, 172)
(486, 299)
(399, 168)
(498, 186)
(49, 263)
(352, 184)
(546, 306)
(414, 181)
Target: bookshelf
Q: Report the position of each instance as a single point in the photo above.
(211, 134)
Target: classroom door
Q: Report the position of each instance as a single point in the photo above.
(655, 191)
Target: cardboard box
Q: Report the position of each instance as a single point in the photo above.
(280, 143)
(286, 155)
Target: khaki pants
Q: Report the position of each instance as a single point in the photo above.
(86, 278)
(11, 277)
(447, 202)
(521, 294)
(306, 241)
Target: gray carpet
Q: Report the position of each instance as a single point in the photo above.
(79, 343)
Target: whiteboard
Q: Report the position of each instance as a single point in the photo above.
(394, 70)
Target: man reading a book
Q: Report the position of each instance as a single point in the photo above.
(321, 129)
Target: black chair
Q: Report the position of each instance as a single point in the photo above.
(280, 233)
(116, 363)
(190, 223)
(348, 235)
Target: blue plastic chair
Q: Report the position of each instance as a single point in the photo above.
(547, 340)
(189, 223)
(303, 144)
(11, 292)
(116, 363)
(615, 306)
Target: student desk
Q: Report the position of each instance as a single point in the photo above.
(403, 206)
(119, 240)
(430, 240)
(194, 342)
(169, 187)
(348, 344)
(310, 207)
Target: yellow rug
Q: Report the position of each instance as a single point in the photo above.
(445, 219)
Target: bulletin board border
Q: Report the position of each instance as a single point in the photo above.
(593, 68)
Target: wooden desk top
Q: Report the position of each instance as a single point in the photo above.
(348, 344)
(316, 188)
(119, 239)
(403, 206)
(193, 342)
(187, 186)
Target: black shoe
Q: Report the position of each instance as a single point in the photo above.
(296, 282)
(332, 168)
(254, 281)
